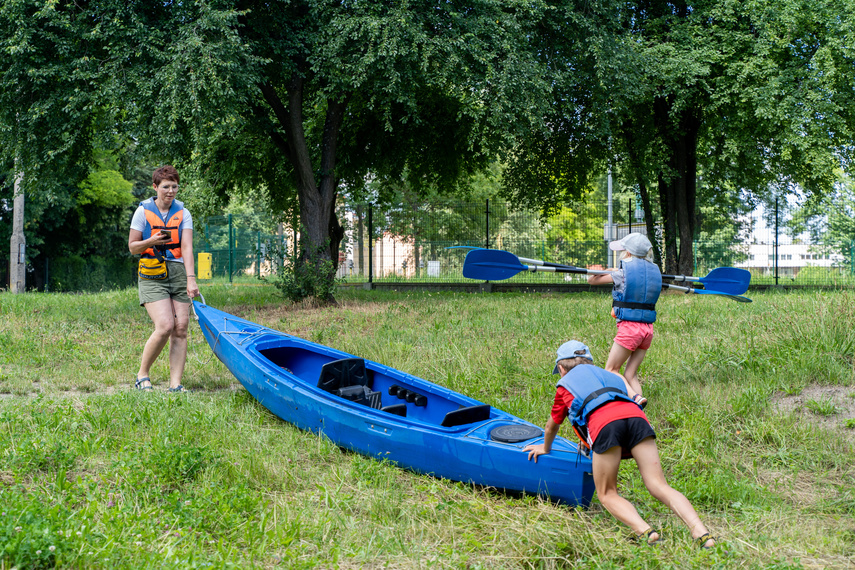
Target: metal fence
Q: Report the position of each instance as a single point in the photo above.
(238, 249)
(427, 242)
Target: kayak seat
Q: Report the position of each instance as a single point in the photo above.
(360, 395)
(397, 409)
(343, 373)
(348, 378)
(467, 415)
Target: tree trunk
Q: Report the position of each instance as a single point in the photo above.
(635, 167)
(316, 190)
(678, 184)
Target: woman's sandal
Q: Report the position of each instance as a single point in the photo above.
(644, 537)
(702, 541)
(139, 381)
(640, 400)
(178, 388)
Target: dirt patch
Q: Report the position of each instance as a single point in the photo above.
(813, 404)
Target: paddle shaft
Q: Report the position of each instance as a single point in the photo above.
(556, 268)
(664, 276)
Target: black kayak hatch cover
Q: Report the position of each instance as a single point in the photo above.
(514, 433)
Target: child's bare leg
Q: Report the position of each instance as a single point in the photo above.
(646, 454)
(631, 370)
(605, 470)
(617, 356)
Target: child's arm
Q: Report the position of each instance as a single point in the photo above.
(600, 279)
(535, 451)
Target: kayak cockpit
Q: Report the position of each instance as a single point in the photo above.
(376, 386)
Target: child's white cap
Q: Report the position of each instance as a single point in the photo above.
(635, 243)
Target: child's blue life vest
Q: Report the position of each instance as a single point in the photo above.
(643, 285)
(591, 387)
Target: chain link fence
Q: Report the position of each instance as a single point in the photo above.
(237, 250)
(428, 242)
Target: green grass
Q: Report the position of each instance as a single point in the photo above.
(96, 475)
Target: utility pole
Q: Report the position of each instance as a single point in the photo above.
(18, 243)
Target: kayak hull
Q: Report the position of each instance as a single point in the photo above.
(409, 421)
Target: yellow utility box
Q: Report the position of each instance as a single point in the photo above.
(203, 268)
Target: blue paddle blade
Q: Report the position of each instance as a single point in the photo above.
(727, 280)
(738, 298)
(491, 265)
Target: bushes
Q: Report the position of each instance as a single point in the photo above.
(76, 273)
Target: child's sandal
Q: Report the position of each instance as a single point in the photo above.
(702, 540)
(644, 537)
(640, 400)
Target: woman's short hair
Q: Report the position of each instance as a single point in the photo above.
(165, 173)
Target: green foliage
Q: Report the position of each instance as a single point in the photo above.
(76, 273)
(309, 276)
(31, 530)
(159, 481)
(830, 219)
(723, 95)
(49, 93)
(822, 407)
(105, 189)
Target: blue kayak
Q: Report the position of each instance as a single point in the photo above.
(387, 414)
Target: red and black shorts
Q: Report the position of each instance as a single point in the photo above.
(625, 433)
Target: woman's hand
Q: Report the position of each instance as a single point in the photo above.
(192, 287)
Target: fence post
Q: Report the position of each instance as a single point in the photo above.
(777, 255)
(629, 214)
(487, 218)
(231, 249)
(370, 242)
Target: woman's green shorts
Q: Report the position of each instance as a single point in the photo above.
(173, 287)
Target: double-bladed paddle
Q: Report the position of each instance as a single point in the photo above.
(730, 280)
(496, 265)
(723, 279)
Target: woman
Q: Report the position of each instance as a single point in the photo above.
(162, 234)
(614, 428)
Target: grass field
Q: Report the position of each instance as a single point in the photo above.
(753, 404)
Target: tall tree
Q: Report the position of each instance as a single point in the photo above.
(693, 101)
(306, 96)
(48, 107)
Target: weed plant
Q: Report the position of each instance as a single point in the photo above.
(96, 475)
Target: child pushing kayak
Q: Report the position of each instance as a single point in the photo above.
(614, 428)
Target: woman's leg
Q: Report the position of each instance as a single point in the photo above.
(163, 318)
(178, 343)
(646, 454)
(605, 467)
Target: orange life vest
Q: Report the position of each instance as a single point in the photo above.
(155, 222)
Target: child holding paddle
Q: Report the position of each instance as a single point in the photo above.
(614, 428)
(637, 285)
